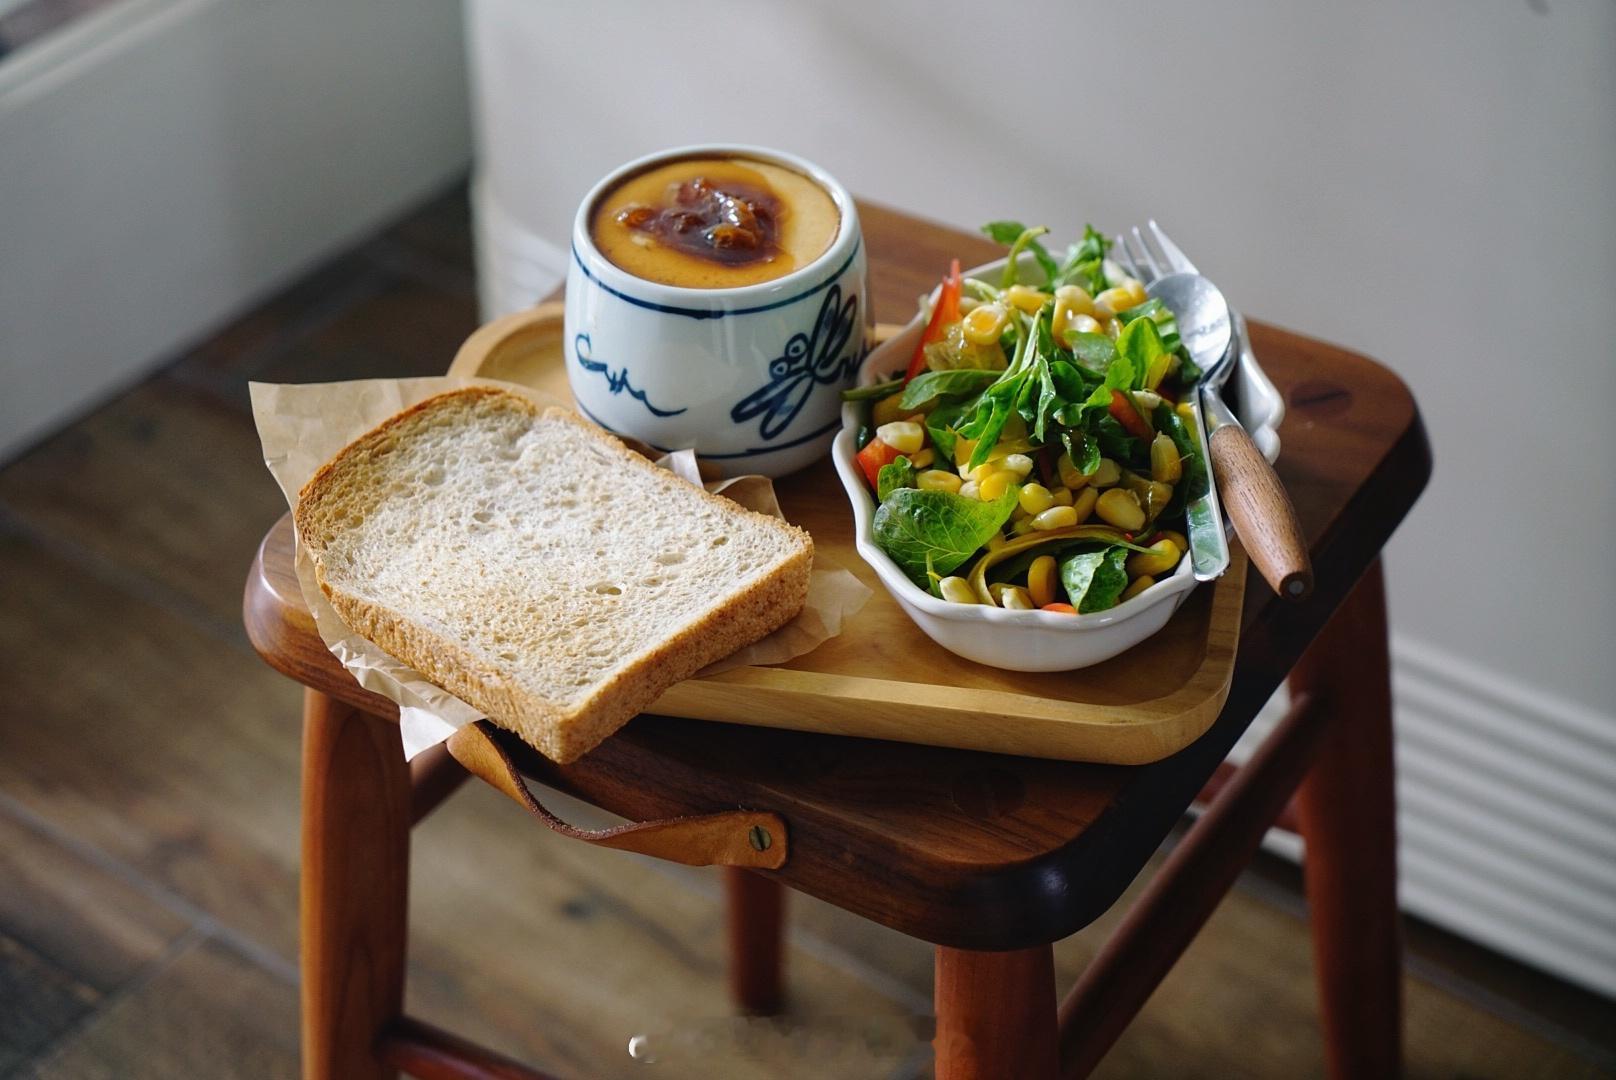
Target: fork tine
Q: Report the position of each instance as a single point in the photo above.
(1122, 256)
(1148, 256)
(1134, 257)
(1175, 258)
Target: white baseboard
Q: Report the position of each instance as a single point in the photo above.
(1506, 812)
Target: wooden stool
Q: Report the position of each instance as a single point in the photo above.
(991, 858)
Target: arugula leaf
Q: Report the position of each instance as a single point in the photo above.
(930, 385)
(1009, 232)
(1120, 375)
(1159, 313)
(874, 390)
(1195, 481)
(940, 426)
(936, 531)
(1069, 381)
(1084, 262)
(896, 474)
(1094, 351)
(987, 433)
(1094, 580)
(1140, 343)
(1084, 449)
(1117, 444)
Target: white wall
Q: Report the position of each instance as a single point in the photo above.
(1431, 183)
(165, 162)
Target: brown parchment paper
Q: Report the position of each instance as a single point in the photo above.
(302, 427)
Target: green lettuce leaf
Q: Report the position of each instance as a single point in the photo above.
(894, 475)
(937, 531)
(1094, 580)
(930, 385)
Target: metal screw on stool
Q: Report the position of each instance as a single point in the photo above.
(760, 838)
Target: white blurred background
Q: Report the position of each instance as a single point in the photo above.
(1432, 183)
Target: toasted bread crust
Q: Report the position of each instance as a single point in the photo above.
(341, 493)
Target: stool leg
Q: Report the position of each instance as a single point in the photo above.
(355, 880)
(756, 929)
(1346, 811)
(995, 1014)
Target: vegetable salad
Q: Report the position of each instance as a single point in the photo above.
(1033, 455)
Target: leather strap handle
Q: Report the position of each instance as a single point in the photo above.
(753, 838)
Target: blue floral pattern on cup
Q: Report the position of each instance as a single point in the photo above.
(811, 358)
(616, 381)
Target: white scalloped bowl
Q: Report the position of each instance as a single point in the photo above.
(1031, 640)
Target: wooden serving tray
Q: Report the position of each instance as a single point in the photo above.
(883, 678)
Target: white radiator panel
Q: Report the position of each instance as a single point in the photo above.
(1506, 813)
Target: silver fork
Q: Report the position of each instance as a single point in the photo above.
(1256, 501)
(1209, 544)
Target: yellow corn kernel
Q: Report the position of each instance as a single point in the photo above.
(1176, 537)
(1022, 527)
(938, 480)
(1072, 302)
(1036, 498)
(1120, 507)
(1075, 298)
(984, 324)
(996, 484)
(1026, 298)
(969, 490)
(1056, 517)
(956, 590)
(1135, 587)
(1010, 597)
(1112, 328)
(1131, 293)
(904, 436)
(1165, 464)
(922, 459)
(886, 410)
(1062, 496)
(1041, 578)
(1084, 324)
(1070, 474)
(996, 541)
(1161, 557)
(1020, 464)
(963, 448)
(1107, 474)
(1083, 503)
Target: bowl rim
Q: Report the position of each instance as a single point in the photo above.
(863, 504)
(842, 249)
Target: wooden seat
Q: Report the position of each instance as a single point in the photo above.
(990, 857)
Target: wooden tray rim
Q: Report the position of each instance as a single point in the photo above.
(895, 709)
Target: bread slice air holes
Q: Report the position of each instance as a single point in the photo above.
(596, 581)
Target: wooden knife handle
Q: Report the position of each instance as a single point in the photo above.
(1262, 512)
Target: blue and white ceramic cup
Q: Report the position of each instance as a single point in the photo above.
(750, 377)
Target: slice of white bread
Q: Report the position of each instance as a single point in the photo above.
(537, 568)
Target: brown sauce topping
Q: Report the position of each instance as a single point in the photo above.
(733, 224)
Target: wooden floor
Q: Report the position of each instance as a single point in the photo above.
(148, 805)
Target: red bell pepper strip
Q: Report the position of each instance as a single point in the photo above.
(1064, 609)
(874, 455)
(947, 311)
(1128, 416)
